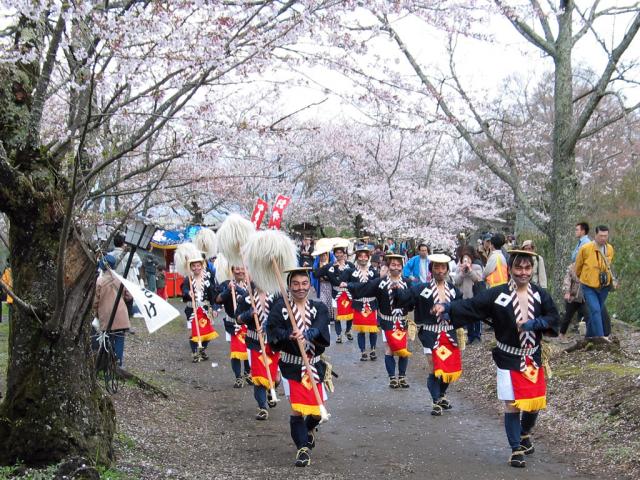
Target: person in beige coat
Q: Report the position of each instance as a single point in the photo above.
(106, 291)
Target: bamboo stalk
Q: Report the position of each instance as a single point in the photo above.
(323, 411)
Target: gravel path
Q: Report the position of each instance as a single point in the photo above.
(207, 429)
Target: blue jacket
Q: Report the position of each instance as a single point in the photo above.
(412, 268)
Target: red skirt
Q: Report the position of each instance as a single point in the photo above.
(344, 307)
(397, 341)
(529, 388)
(365, 321)
(238, 346)
(447, 360)
(302, 397)
(258, 370)
(201, 327)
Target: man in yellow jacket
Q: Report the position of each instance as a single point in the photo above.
(593, 268)
(6, 278)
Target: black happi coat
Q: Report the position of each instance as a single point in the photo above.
(378, 288)
(225, 295)
(333, 274)
(278, 329)
(204, 298)
(351, 275)
(244, 314)
(495, 303)
(424, 301)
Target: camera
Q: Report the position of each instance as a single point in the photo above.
(604, 279)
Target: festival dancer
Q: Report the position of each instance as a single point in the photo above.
(246, 317)
(394, 302)
(198, 292)
(436, 333)
(342, 303)
(522, 312)
(364, 308)
(312, 319)
(227, 296)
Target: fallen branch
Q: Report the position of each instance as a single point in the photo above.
(125, 375)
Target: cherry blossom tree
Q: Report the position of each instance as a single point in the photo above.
(97, 104)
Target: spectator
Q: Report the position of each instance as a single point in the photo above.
(7, 278)
(105, 297)
(582, 234)
(539, 275)
(122, 257)
(305, 258)
(161, 283)
(150, 266)
(417, 268)
(467, 274)
(495, 271)
(482, 254)
(593, 268)
(573, 301)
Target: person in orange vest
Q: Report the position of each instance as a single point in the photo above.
(8, 280)
(495, 271)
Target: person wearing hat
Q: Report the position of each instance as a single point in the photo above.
(104, 299)
(394, 302)
(322, 257)
(437, 335)
(229, 294)
(198, 289)
(521, 313)
(342, 304)
(259, 377)
(539, 276)
(312, 319)
(364, 308)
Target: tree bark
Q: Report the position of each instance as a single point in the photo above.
(564, 182)
(53, 406)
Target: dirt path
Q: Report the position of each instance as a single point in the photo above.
(207, 429)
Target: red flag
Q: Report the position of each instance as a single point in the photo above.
(258, 213)
(278, 209)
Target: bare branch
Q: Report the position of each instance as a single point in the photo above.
(601, 86)
(315, 104)
(609, 121)
(525, 30)
(18, 301)
(44, 80)
(548, 35)
(464, 132)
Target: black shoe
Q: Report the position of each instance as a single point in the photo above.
(517, 459)
(372, 356)
(436, 410)
(393, 383)
(349, 336)
(311, 439)
(444, 403)
(402, 381)
(364, 357)
(203, 355)
(196, 358)
(339, 339)
(239, 383)
(303, 459)
(262, 414)
(248, 379)
(526, 446)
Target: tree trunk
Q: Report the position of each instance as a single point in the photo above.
(564, 185)
(53, 407)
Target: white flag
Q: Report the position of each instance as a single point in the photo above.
(156, 311)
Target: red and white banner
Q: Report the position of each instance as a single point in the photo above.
(259, 211)
(278, 209)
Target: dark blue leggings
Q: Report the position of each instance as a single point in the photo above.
(373, 339)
